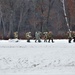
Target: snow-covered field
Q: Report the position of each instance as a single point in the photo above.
(22, 58)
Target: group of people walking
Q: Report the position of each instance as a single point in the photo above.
(46, 36)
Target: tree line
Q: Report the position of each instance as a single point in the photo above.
(31, 15)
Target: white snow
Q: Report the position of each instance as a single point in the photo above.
(22, 58)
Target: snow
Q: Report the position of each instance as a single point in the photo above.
(22, 58)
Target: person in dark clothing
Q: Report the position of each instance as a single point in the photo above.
(73, 36)
(50, 36)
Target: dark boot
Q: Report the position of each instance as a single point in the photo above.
(49, 40)
(39, 41)
(69, 40)
(52, 41)
(73, 39)
(35, 40)
(28, 40)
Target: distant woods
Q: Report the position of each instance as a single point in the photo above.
(31, 15)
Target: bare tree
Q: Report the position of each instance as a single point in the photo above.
(2, 23)
(50, 7)
(23, 13)
(31, 15)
